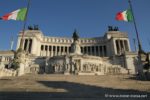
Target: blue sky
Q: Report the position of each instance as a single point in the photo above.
(90, 17)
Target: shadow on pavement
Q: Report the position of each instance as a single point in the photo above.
(138, 78)
(76, 91)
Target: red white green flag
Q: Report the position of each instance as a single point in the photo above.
(125, 16)
(19, 14)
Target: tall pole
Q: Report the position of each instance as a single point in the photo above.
(24, 26)
(134, 44)
(137, 34)
(140, 66)
(11, 43)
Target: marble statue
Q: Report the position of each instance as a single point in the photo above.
(76, 47)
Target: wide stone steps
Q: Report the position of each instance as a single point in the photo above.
(62, 87)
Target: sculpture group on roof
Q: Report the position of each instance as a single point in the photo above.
(35, 27)
(111, 28)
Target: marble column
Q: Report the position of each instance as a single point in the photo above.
(124, 48)
(63, 50)
(94, 50)
(25, 45)
(18, 43)
(51, 51)
(58, 50)
(119, 46)
(128, 45)
(98, 50)
(55, 51)
(116, 47)
(28, 42)
(22, 43)
(43, 50)
(83, 49)
(34, 46)
(67, 50)
(86, 51)
(30, 45)
(47, 50)
(105, 50)
(91, 53)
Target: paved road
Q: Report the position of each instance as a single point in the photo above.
(61, 87)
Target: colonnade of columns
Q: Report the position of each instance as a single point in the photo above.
(121, 46)
(27, 45)
(95, 50)
(51, 50)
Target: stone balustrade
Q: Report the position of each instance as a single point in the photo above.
(7, 72)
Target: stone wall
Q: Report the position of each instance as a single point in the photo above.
(82, 65)
(7, 72)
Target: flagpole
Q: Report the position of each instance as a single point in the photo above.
(137, 34)
(134, 44)
(140, 66)
(24, 26)
(11, 43)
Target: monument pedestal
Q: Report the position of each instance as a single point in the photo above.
(84, 73)
(21, 69)
(99, 73)
(66, 73)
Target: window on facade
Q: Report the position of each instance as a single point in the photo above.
(100, 48)
(117, 46)
(42, 47)
(92, 49)
(65, 49)
(69, 49)
(105, 51)
(61, 49)
(121, 43)
(96, 48)
(46, 48)
(58, 48)
(85, 49)
(89, 50)
(82, 49)
(54, 48)
(25, 44)
(30, 45)
(50, 47)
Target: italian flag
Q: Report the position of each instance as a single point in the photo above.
(125, 16)
(19, 14)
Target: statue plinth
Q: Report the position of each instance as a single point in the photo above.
(20, 62)
(75, 48)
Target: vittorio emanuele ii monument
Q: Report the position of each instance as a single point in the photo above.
(103, 55)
